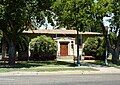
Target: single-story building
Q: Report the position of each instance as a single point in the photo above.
(66, 39)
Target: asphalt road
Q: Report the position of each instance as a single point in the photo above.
(62, 79)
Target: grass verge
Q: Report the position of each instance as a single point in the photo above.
(45, 69)
(43, 66)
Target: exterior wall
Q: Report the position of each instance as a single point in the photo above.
(72, 46)
(69, 38)
(66, 39)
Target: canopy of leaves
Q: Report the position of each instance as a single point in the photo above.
(85, 14)
(115, 21)
(73, 13)
(18, 15)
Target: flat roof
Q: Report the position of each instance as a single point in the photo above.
(58, 31)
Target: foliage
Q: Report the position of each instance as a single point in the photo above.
(115, 21)
(83, 15)
(95, 47)
(73, 13)
(99, 10)
(22, 46)
(19, 15)
(113, 40)
(115, 31)
(87, 15)
(43, 47)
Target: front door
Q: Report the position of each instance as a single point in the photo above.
(64, 49)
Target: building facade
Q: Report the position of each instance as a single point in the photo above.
(65, 39)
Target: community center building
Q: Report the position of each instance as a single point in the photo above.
(66, 40)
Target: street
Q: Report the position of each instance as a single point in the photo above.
(61, 79)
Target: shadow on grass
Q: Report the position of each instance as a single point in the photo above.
(65, 63)
(29, 64)
(102, 63)
(19, 65)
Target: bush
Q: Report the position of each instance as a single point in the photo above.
(43, 48)
(95, 47)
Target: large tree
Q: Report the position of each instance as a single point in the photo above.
(101, 9)
(115, 31)
(109, 8)
(17, 16)
(74, 14)
(83, 15)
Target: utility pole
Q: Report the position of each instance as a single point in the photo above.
(106, 41)
(78, 55)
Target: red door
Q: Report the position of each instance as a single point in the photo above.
(63, 49)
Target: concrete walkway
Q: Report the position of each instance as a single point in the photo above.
(107, 70)
(101, 70)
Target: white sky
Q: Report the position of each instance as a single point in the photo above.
(106, 23)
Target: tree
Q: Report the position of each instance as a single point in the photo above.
(109, 8)
(17, 16)
(101, 9)
(115, 31)
(73, 14)
(83, 15)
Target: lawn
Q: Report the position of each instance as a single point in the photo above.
(42, 66)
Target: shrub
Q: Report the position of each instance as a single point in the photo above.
(95, 47)
(43, 48)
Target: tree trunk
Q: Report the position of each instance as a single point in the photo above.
(11, 53)
(115, 56)
(105, 35)
(115, 52)
(3, 49)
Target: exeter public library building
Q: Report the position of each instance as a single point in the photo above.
(65, 39)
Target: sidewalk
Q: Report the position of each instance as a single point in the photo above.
(101, 70)
(107, 70)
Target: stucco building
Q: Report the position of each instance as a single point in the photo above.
(65, 39)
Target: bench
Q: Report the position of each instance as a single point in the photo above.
(89, 58)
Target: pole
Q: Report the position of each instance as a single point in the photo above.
(106, 54)
(78, 56)
(106, 63)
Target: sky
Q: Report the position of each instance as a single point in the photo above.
(106, 23)
(48, 25)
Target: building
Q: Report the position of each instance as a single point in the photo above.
(66, 39)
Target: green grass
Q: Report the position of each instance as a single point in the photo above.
(42, 66)
(99, 62)
(38, 63)
(45, 69)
